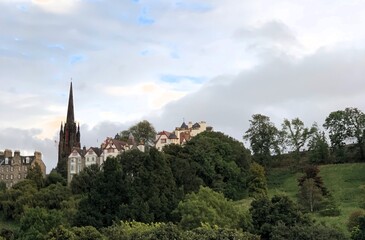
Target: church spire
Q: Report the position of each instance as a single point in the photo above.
(70, 110)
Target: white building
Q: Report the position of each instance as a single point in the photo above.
(181, 134)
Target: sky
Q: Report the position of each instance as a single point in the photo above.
(166, 61)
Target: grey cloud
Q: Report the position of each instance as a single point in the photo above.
(309, 88)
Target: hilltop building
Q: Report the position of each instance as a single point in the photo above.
(14, 168)
(69, 137)
(78, 159)
(181, 134)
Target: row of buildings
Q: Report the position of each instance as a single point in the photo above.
(72, 159)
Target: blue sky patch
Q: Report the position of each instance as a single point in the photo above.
(76, 59)
(170, 78)
(193, 6)
(144, 18)
(56, 46)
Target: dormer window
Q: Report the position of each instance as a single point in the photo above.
(6, 160)
(27, 160)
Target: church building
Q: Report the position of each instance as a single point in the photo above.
(69, 137)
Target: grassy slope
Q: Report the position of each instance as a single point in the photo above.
(346, 182)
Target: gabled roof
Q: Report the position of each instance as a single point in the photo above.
(96, 150)
(119, 145)
(184, 126)
(79, 150)
(196, 125)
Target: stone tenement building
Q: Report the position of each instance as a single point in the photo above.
(69, 137)
(14, 168)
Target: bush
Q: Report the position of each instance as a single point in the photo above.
(354, 219)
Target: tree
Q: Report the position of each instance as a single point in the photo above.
(267, 214)
(296, 134)
(318, 148)
(37, 222)
(85, 181)
(142, 132)
(35, 174)
(310, 196)
(207, 206)
(257, 186)
(54, 177)
(346, 125)
(102, 204)
(264, 138)
(150, 187)
(358, 233)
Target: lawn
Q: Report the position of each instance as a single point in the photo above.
(346, 182)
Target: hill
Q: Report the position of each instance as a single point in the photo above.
(346, 182)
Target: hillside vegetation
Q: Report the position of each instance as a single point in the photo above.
(346, 182)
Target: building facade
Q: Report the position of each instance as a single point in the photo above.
(69, 137)
(181, 134)
(14, 168)
(81, 158)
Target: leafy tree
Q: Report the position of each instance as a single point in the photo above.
(296, 134)
(207, 206)
(221, 162)
(17, 198)
(346, 125)
(60, 233)
(150, 187)
(266, 214)
(52, 196)
(318, 148)
(264, 138)
(87, 233)
(85, 180)
(358, 233)
(257, 185)
(310, 196)
(35, 174)
(305, 232)
(353, 220)
(2, 186)
(37, 222)
(101, 205)
(54, 177)
(142, 132)
(311, 172)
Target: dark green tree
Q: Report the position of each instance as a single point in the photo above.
(358, 233)
(37, 222)
(266, 214)
(264, 138)
(54, 177)
(151, 190)
(318, 148)
(35, 174)
(101, 205)
(345, 125)
(51, 197)
(85, 181)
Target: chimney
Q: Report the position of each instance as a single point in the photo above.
(8, 153)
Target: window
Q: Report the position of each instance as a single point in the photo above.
(27, 159)
(19, 176)
(163, 140)
(72, 160)
(2, 176)
(110, 150)
(72, 167)
(79, 160)
(11, 169)
(6, 160)
(6, 176)
(11, 176)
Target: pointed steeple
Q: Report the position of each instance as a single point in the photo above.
(70, 110)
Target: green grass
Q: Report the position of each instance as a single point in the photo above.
(346, 182)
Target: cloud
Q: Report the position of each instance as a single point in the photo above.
(309, 88)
